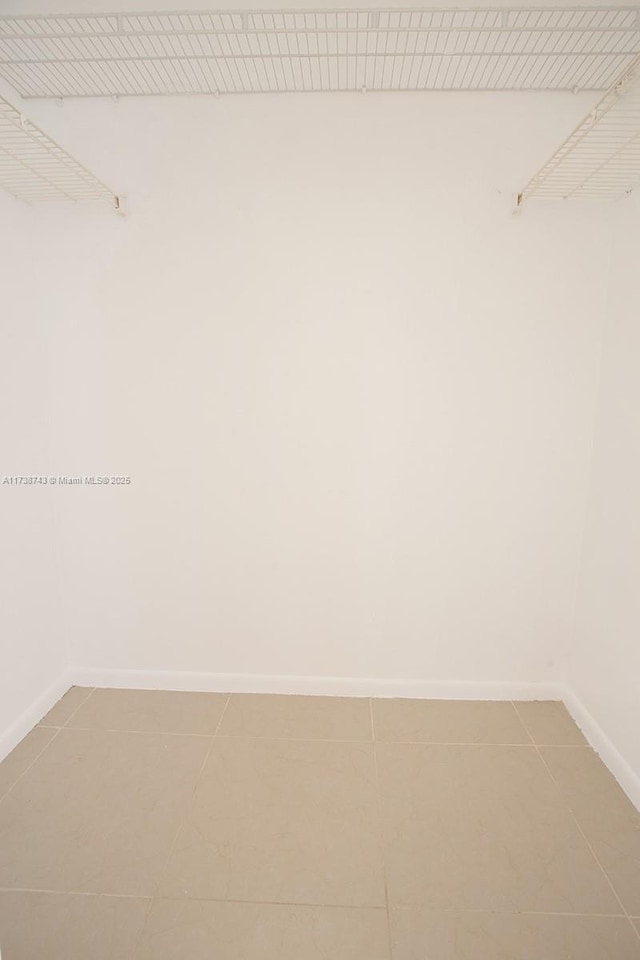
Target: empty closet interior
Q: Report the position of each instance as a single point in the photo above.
(319, 364)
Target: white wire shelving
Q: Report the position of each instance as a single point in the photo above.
(142, 54)
(601, 158)
(34, 168)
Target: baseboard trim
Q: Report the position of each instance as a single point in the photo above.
(27, 720)
(319, 686)
(624, 773)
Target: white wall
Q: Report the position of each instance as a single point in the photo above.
(33, 651)
(605, 669)
(354, 394)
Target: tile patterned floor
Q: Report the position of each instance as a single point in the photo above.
(146, 825)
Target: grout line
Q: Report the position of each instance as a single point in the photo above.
(148, 896)
(420, 743)
(207, 736)
(454, 743)
(151, 733)
(508, 913)
(567, 802)
(36, 758)
(240, 736)
(327, 906)
(77, 893)
(521, 721)
(187, 806)
(92, 690)
(586, 839)
(186, 809)
(543, 913)
(381, 828)
(49, 742)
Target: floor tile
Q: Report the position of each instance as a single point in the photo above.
(62, 926)
(424, 935)
(549, 722)
(447, 721)
(282, 821)
(605, 813)
(21, 758)
(301, 718)
(98, 812)
(483, 827)
(151, 711)
(66, 706)
(204, 930)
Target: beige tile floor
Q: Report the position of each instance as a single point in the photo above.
(189, 826)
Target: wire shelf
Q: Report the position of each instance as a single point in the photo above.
(601, 158)
(142, 54)
(34, 168)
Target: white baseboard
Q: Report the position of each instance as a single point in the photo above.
(319, 686)
(12, 736)
(626, 776)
